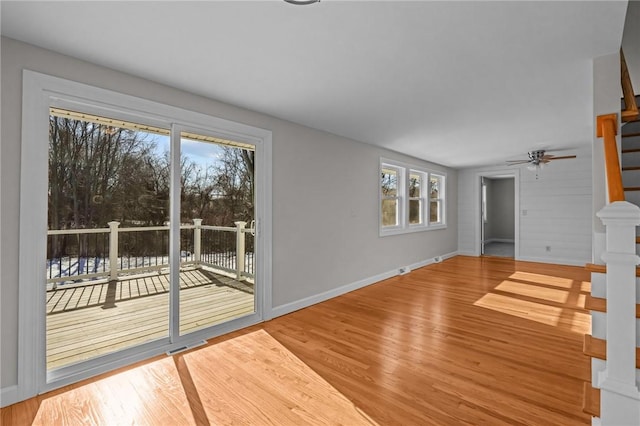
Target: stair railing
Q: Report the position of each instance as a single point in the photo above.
(630, 113)
(619, 395)
(606, 127)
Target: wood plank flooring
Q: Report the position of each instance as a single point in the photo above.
(87, 321)
(466, 341)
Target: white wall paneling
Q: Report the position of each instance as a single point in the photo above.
(553, 222)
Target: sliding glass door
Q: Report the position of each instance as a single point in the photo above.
(115, 281)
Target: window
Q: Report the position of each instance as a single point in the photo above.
(390, 199)
(411, 199)
(436, 194)
(415, 198)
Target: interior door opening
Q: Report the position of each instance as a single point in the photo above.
(497, 218)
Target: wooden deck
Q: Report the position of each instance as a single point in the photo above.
(86, 321)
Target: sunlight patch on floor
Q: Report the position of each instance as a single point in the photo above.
(250, 379)
(529, 290)
(140, 394)
(253, 379)
(520, 308)
(542, 279)
(536, 297)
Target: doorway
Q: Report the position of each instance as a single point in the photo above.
(152, 222)
(109, 263)
(498, 219)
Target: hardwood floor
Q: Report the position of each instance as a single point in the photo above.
(466, 341)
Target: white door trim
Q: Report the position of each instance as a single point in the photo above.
(477, 207)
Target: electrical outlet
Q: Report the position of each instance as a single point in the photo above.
(548, 248)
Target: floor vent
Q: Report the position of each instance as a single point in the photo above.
(186, 347)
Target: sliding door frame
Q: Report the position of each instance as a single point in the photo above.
(40, 92)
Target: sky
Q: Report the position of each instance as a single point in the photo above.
(203, 154)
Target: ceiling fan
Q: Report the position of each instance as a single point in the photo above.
(537, 160)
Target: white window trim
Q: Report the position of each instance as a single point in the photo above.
(404, 227)
(441, 199)
(400, 190)
(424, 177)
(40, 92)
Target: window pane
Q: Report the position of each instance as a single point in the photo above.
(434, 211)
(217, 190)
(105, 175)
(389, 212)
(414, 212)
(434, 186)
(415, 182)
(389, 182)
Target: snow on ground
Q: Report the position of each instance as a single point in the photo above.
(76, 267)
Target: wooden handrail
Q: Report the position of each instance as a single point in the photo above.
(630, 113)
(606, 127)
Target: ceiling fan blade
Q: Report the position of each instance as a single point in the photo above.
(564, 157)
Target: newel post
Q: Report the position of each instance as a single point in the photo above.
(240, 248)
(113, 250)
(197, 238)
(620, 398)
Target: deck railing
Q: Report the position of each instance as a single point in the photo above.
(77, 255)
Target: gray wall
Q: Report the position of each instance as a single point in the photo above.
(500, 209)
(325, 193)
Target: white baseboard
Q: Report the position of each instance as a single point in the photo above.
(330, 294)
(499, 240)
(436, 259)
(555, 261)
(8, 396)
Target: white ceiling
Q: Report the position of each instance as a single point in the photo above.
(458, 83)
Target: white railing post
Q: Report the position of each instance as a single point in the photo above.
(113, 250)
(620, 398)
(197, 240)
(240, 248)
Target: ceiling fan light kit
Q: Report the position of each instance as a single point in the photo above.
(535, 167)
(537, 160)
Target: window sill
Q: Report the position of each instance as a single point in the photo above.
(410, 230)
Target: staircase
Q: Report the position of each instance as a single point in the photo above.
(595, 344)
